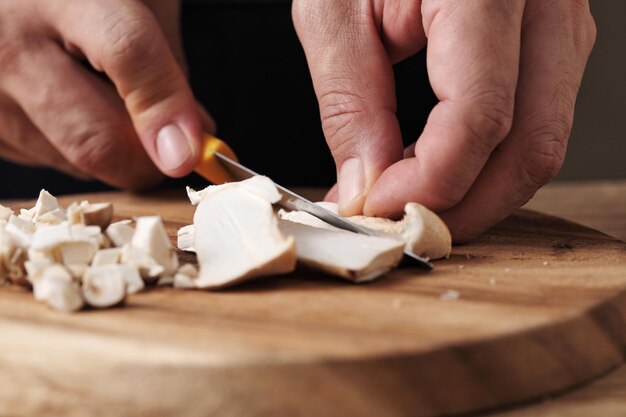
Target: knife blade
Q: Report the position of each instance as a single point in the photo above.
(293, 201)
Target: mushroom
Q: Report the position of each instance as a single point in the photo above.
(353, 256)
(20, 230)
(240, 237)
(151, 238)
(107, 257)
(186, 236)
(185, 277)
(145, 264)
(97, 214)
(425, 234)
(120, 232)
(5, 213)
(105, 286)
(55, 286)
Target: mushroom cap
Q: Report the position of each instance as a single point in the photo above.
(104, 286)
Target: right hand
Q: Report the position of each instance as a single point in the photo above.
(56, 111)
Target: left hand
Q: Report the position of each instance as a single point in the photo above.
(506, 73)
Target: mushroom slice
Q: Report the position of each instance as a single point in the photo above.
(104, 286)
(237, 236)
(77, 253)
(356, 257)
(424, 232)
(186, 237)
(120, 233)
(151, 238)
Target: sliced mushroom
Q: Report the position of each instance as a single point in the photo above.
(120, 233)
(151, 238)
(186, 237)
(104, 286)
(240, 237)
(96, 214)
(356, 257)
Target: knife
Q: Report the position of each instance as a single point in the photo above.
(219, 164)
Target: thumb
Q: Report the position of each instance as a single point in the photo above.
(123, 39)
(354, 84)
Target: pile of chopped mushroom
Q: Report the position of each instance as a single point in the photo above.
(75, 257)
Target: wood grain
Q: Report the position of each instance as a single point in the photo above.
(541, 308)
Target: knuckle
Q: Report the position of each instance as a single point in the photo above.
(127, 36)
(342, 112)
(95, 149)
(489, 118)
(542, 155)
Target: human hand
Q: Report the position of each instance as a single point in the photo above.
(57, 112)
(506, 73)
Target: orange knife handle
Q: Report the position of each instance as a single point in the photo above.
(209, 166)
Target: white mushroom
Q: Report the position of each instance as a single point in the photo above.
(20, 230)
(56, 287)
(107, 257)
(353, 256)
(5, 213)
(425, 234)
(186, 237)
(186, 277)
(148, 267)
(104, 286)
(151, 238)
(240, 238)
(96, 214)
(120, 232)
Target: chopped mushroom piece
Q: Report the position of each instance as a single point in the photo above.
(20, 230)
(151, 238)
(5, 213)
(240, 237)
(120, 233)
(186, 277)
(107, 257)
(353, 256)
(96, 214)
(186, 237)
(104, 286)
(148, 267)
(56, 287)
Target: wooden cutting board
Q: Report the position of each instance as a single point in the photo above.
(541, 307)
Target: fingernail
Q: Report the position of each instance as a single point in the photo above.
(174, 149)
(351, 186)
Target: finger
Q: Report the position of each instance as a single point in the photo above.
(123, 39)
(21, 142)
(354, 84)
(556, 44)
(472, 59)
(331, 195)
(80, 114)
